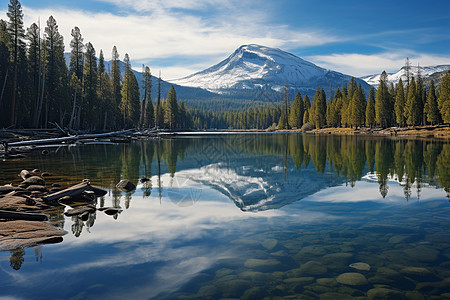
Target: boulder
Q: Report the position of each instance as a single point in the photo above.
(33, 180)
(313, 268)
(269, 244)
(25, 174)
(352, 279)
(126, 185)
(37, 188)
(360, 266)
(5, 189)
(422, 253)
(253, 263)
(384, 293)
(22, 234)
(23, 204)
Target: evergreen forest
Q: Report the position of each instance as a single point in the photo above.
(38, 88)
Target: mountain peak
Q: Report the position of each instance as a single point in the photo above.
(254, 66)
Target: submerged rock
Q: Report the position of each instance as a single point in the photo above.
(269, 244)
(352, 279)
(261, 263)
(416, 271)
(360, 266)
(33, 180)
(384, 293)
(313, 268)
(422, 253)
(333, 296)
(254, 293)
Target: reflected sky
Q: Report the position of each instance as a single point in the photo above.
(210, 203)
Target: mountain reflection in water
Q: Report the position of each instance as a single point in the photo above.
(209, 208)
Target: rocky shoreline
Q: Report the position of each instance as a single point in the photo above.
(26, 209)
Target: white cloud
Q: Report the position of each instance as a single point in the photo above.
(362, 64)
(152, 30)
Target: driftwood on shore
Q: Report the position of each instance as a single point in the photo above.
(23, 222)
(14, 142)
(69, 138)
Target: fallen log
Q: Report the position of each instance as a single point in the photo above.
(71, 192)
(69, 138)
(13, 215)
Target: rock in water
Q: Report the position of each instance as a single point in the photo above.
(25, 174)
(313, 268)
(22, 234)
(126, 185)
(269, 244)
(384, 293)
(33, 180)
(360, 266)
(352, 279)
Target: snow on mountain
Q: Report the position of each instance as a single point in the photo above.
(254, 66)
(414, 71)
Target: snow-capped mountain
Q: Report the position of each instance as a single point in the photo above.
(254, 66)
(414, 71)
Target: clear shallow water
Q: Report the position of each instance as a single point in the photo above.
(249, 217)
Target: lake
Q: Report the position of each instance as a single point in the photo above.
(250, 216)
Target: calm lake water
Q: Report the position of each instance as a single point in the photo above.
(253, 216)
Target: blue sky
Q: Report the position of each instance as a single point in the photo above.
(180, 37)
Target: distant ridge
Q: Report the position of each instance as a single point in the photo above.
(258, 67)
(425, 72)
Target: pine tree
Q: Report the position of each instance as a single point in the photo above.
(34, 69)
(130, 104)
(104, 93)
(431, 106)
(413, 113)
(297, 111)
(76, 89)
(400, 103)
(148, 115)
(286, 108)
(90, 108)
(351, 88)
(159, 112)
(116, 77)
(370, 108)
(76, 56)
(171, 109)
(4, 73)
(382, 113)
(407, 71)
(444, 98)
(357, 107)
(17, 34)
(421, 97)
(56, 93)
(319, 109)
(282, 122)
(307, 105)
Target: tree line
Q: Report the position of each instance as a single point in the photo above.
(402, 104)
(38, 88)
